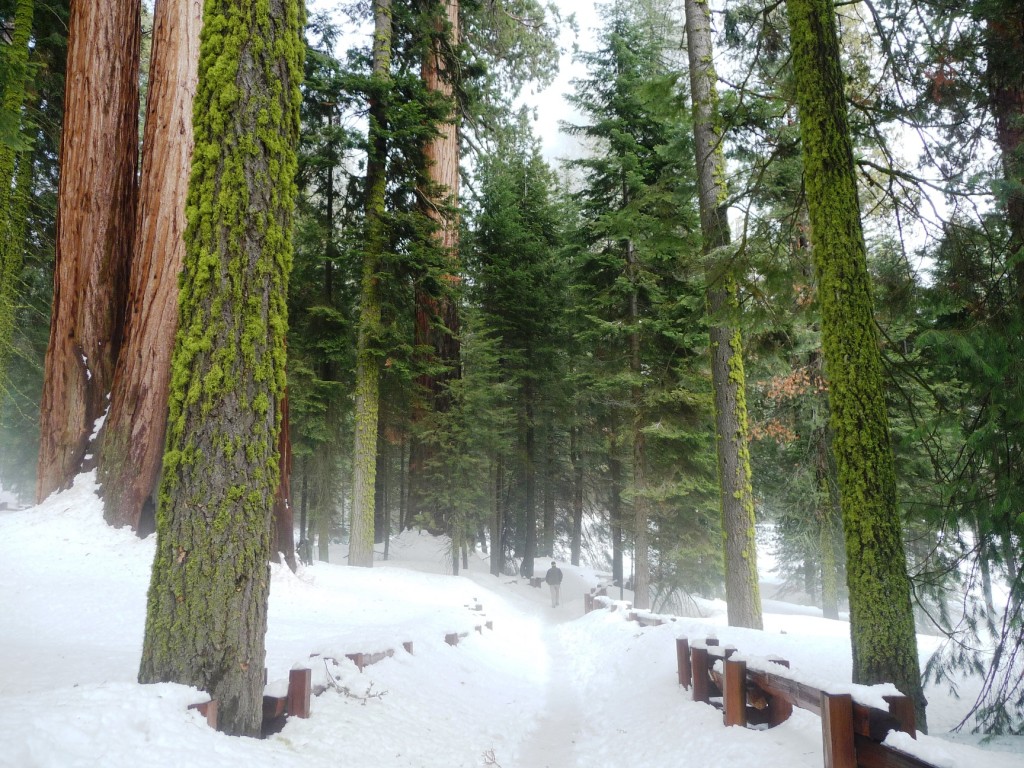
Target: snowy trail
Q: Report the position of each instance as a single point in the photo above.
(554, 743)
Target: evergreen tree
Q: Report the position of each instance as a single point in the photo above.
(207, 610)
(518, 284)
(632, 272)
(741, 578)
(133, 434)
(367, 362)
(881, 620)
(99, 151)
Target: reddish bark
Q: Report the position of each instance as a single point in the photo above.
(95, 222)
(439, 197)
(133, 440)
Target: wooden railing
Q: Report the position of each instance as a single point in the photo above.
(277, 709)
(852, 733)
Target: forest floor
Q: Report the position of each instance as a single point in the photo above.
(544, 688)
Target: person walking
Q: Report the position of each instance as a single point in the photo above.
(554, 580)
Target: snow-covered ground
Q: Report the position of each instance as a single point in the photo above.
(546, 687)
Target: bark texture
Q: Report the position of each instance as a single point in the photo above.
(133, 435)
(1004, 49)
(743, 593)
(95, 222)
(437, 319)
(367, 405)
(207, 610)
(881, 619)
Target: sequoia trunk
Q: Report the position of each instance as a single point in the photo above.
(133, 436)
(95, 222)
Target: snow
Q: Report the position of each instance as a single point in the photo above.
(545, 687)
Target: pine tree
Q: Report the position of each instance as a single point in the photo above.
(367, 359)
(207, 609)
(517, 284)
(741, 578)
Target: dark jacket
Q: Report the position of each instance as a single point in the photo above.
(553, 576)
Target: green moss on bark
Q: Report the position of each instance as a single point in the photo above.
(881, 619)
(206, 617)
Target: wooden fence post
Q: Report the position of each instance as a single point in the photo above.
(683, 661)
(779, 710)
(299, 686)
(837, 730)
(902, 708)
(734, 692)
(699, 667)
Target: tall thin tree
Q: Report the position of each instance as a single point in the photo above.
(881, 618)
(367, 361)
(741, 584)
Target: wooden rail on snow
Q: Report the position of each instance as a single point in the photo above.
(852, 733)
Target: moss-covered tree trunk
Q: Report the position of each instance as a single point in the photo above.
(743, 593)
(95, 221)
(207, 610)
(367, 405)
(881, 618)
(133, 435)
(12, 192)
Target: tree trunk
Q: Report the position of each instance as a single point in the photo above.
(576, 542)
(13, 195)
(548, 545)
(742, 591)
(881, 617)
(133, 435)
(282, 532)
(367, 401)
(529, 468)
(641, 560)
(439, 197)
(95, 222)
(207, 610)
(1004, 49)
(615, 512)
(498, 521)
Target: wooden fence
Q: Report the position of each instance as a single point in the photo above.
(277, 709)
(852, 733)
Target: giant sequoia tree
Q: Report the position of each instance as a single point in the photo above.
(95, 221)
(133, 437)
(207, 609)
(881, 619)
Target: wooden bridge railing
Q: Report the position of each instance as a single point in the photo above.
(852, 733)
